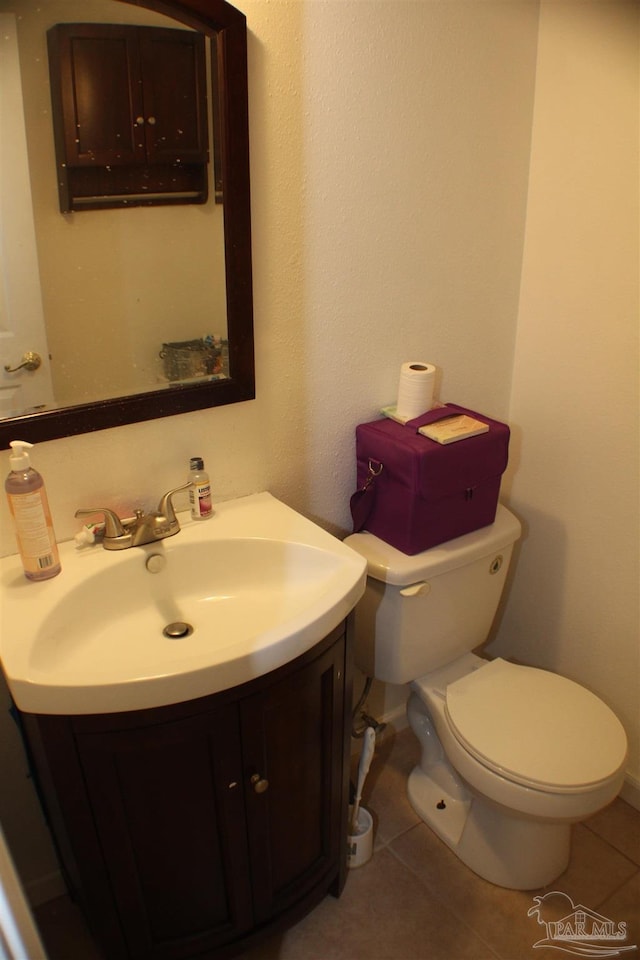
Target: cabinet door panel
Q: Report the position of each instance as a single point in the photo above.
(173, 831)
(174, 84)
(101, 94)
(292, 738)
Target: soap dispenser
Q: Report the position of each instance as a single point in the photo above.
(29, 508)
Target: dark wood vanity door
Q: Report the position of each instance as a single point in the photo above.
(292, 737)
(189, 829)
(168, 806)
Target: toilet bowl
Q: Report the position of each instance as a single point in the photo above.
(511, 755)
(503, 797)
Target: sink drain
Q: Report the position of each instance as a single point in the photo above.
(177, 630)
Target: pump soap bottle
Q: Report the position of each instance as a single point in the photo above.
(200, 492)
(32, 518)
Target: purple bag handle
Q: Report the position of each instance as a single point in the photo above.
(431, 416)
(362, 501)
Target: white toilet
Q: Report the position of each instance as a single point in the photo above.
(511, 755)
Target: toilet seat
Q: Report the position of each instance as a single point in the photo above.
(535, 728)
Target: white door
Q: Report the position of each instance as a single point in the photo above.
(22, 327)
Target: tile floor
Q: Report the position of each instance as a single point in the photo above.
(415, 901)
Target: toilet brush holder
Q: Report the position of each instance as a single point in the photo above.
(360, 843)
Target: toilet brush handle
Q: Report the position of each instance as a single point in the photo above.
(353, 825)
(366, 756)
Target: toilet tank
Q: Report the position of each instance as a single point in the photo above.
(423, 611)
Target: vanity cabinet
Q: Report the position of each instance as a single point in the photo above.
(129, 110)
(192, 829)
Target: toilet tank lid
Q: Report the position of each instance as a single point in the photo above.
(392, 566)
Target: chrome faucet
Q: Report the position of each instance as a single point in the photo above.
(142, 528)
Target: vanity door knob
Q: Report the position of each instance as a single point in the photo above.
(151, 121)
(259, 785)
(139, 121)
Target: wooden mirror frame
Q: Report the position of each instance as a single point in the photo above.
(227, 27)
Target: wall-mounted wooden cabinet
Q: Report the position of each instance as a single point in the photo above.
(190, 829)
(130, 115)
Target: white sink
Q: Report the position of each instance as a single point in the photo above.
(257, 584)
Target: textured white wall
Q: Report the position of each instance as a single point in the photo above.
(574, 603)
(416, 156)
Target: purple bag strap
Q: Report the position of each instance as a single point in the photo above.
(362, 501)
(431, 416)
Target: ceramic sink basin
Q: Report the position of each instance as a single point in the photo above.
(222, 602)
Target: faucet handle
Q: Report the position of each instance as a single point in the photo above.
(166, 503)
(112, 523)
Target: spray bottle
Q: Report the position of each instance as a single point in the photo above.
(31, 515)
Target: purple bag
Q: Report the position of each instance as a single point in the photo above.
(415, 493)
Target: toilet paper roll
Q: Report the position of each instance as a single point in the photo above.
(415, 389)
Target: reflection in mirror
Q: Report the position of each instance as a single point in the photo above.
(139, 311)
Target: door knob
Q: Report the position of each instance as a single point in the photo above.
(259, 785)
(30, 361)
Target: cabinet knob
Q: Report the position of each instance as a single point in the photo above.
(151, 121)
(259, 785)
(139, 121)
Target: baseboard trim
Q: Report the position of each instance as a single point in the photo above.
(631, 791)
(397, 718)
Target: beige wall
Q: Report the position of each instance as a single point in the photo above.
(574, 602)
(390, 147)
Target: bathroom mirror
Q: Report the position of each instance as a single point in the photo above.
(227, 315)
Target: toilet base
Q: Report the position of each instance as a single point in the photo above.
(508, 850)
